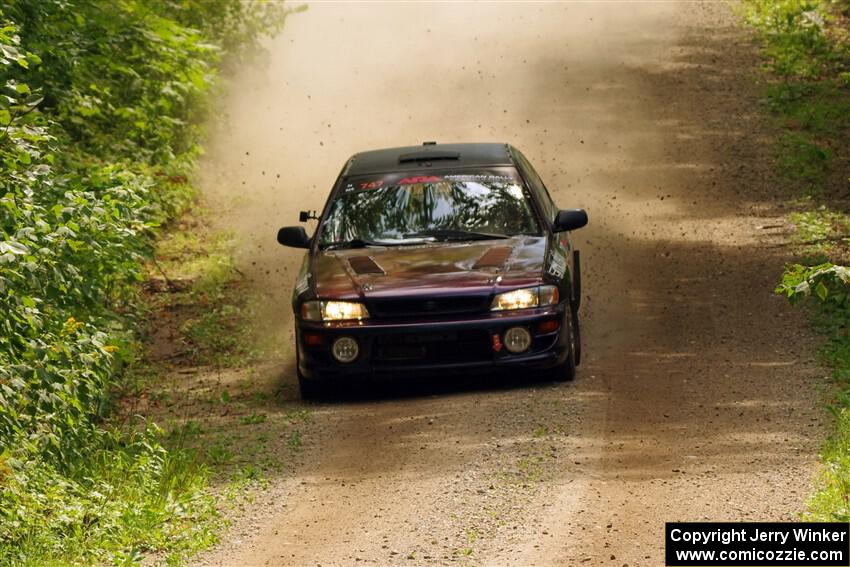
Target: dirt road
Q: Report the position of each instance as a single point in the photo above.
(695, 400)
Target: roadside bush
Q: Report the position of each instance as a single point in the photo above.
(99, 128)
(805, 43)
(826, 281)
(828, 286)
(808, 57)
(795, 38)
(805, 161)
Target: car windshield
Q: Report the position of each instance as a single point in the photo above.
(408, 209)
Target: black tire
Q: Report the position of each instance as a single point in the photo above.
(576, 327)
(566, 371)
(310, 389)
(576, 280)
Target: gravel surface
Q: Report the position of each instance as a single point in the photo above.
(696, 397)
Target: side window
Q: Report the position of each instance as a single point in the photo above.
(537, 186)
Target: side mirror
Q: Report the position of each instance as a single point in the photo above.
(293, 236)
(569, 219)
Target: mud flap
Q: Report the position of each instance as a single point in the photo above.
(576, 280)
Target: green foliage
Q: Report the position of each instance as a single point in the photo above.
(253, 418)
(805, 42)
(819, 224)
(810, 56)
(794, 36)
(235, 27)
(826, 281)
(217, 317)
(803, 160)
(832, 500)
(820, 233)
(829, 287)
(818, 107)
(99, 127)
(139, 497)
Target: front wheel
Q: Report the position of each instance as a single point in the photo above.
(576, 328)
(566, 371)
(310, 389)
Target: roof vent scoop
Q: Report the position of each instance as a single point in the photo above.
(429, 143)
(428, 155)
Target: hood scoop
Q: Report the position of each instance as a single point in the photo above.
(494, 257)
(365, 265)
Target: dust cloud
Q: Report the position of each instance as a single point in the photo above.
(343, 78)
(689, 404)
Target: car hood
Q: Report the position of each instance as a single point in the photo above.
(433, 269)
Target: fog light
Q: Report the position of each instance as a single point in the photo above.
(517, 339)
(345, 349)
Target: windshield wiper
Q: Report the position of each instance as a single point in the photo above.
(455, 234)
(353, 243)
(419, 237)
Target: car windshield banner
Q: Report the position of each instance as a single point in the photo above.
(417, 178)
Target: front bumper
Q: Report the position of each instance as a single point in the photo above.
(433, 346)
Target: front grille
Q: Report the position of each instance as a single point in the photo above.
(432, 348)
(418, 307)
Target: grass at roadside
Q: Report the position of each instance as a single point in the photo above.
(832, 500)
(807, 61)
(211, 375)
(100, 127)
(831, 316)
(195, 285)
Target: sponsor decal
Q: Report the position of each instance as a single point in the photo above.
(301, 285)
(420, 179)
(396, 179)
(480, 177)
(371, 184)
(557, 264)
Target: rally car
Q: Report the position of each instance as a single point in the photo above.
(435, 259)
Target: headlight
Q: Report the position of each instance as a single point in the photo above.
(343, 311)
(333, 311)
(525, 298)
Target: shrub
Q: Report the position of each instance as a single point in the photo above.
(99, 127)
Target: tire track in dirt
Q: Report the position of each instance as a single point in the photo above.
(693, 402)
